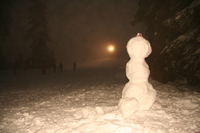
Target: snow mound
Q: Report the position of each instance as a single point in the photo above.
(60, 104)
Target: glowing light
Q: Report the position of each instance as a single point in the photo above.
(111, 48)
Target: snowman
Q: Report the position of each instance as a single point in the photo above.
(138, 93)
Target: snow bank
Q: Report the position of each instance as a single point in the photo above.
(86, 102)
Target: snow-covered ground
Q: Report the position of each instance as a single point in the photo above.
(85, 101)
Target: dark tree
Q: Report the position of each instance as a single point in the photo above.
(38, 36)
(153, 13)
(184, 51)
(173, 30)
(5, 21)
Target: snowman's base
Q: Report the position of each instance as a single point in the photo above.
(128, 106)
(136, 96)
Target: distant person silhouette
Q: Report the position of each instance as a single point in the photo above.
(61, 67)
(74, 65)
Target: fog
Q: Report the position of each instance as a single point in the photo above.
(80, 30)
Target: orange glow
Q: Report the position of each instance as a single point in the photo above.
(111, 48)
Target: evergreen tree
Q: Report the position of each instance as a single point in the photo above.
(173, 30)
(38, 35)
(5, 21)
(184, 51)
(153, 13)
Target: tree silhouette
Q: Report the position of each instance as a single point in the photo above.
(173, 30)
(154, 13)
(5, 21)
(184, 51)
(38, 35)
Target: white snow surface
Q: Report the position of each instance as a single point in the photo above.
(85, 101)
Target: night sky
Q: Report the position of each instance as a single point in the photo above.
(80, 30)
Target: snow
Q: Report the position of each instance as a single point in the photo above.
(181, 41)
(138, 93)
(138, 47)
(85, 101)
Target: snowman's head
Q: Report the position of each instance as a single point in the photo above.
(138, 47)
